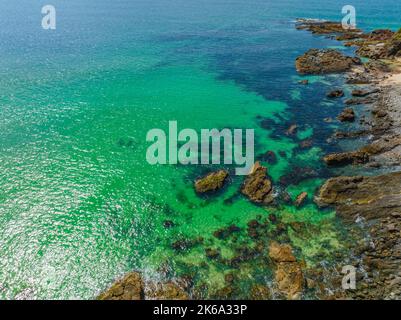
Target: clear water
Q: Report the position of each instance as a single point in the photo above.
(79, 204)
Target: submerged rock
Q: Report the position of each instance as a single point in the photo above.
(269, 157)
(257, 186)
(224, 233)
(317, 61)
(211, 182)
(301, 198)
(292, 130)
(130, 287)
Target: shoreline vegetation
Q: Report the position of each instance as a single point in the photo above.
(368, 205)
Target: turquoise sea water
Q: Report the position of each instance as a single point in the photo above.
(79, 204)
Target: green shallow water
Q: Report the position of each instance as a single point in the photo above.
(79, 204)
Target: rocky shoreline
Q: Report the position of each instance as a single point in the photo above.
(369, 206)
(374, 201)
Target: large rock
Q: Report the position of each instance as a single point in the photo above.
(347, 115)
(128, 288)
(281, 252)
(317, 61)
(257, 186)
(211, 182)
(363, 155)
(369, 197)
(288, 274)
(132, 287)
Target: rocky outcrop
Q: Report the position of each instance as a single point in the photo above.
(363, 155)
(363, 93)
(323, 27)
(347, 115)
(368, 197)
(257, 186)
(132, 287)
(317, 61)
(288, 274)
(345, 158)
(338, 93)
(377, 202)
(211, 182)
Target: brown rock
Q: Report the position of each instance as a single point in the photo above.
(260, 292)
(290, 280)
(128, 288)
(288, 275)
(335, 94)
(165, 291)
(211, 182)
(348, 115)
(324, 61)
(281, 252)
(301, 199)
(369, 197)
(257, 186)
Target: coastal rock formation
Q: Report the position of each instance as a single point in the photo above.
(288, 275)
(348, 115)
(368, 197)
(335, 94)
(323, 27)
(257, 186)
(363, 155)
(130, 287)
(377, 202)
(317, 61)
(381, 45)
(211, 182)
(363, 93)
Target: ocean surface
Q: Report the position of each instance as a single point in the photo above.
(79, 204)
